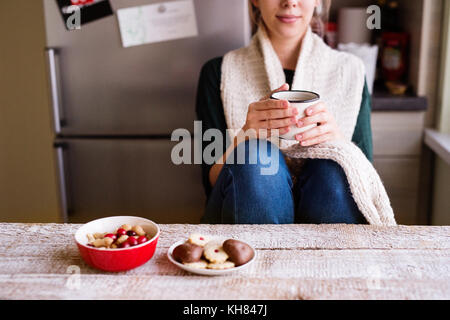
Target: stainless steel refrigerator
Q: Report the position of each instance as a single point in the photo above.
(115, 109)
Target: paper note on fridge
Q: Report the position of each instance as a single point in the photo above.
(157, 22)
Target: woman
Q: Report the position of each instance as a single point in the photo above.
(317, 193)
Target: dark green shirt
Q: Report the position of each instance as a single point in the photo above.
(209, 109)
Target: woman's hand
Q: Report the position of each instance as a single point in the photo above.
(271, 114)
(326, 130)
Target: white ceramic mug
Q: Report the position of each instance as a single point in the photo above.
(300, 100)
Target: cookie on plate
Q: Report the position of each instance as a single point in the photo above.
(240, 252)
(214, 252)
(202, 264)
(187, 252)
(198, 239)
(221, 266)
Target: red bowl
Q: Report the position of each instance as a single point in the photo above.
(115, 260)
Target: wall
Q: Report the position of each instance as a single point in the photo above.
(28, 190)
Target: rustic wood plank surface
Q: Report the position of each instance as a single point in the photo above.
(41, 261)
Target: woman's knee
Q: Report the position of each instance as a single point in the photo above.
(326, 196)
(257, 159)
(329, 178)
(326, 172)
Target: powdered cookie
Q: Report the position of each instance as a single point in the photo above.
(202, 264)
(221, 266)
(214, 252)
(198, 239)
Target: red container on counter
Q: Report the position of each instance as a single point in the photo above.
(394, 55)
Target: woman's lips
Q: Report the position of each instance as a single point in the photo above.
(288, 19)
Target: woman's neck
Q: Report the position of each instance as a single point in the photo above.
(287, 50)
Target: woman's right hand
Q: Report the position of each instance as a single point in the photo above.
(270, 114)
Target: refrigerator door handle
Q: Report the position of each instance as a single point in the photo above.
(60, 147)
(54, 90)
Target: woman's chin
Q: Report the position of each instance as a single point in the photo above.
(291, 31)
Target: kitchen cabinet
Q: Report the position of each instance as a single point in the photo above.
(397, 146)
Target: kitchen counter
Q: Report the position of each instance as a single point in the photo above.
(383, 100)
(41, 261)
(386, 102)
(438, 142)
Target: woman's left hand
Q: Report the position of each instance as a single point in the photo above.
(326, 130)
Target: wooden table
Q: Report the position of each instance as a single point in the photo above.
(41, 261)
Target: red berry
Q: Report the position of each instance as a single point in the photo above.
(124, 245)
(111, 235)
(142, 239)
(121, 232)
(131, 233)
(132, 241)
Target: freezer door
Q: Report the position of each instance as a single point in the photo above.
(105, 89)
(104, 177)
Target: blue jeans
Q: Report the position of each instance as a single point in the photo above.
(243, 195)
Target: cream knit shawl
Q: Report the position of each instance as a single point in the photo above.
(252, 72)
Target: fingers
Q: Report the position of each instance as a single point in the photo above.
(317, 135)
(285, 86)
(316, 108)
(314, 132)
(269, 104)
(277, 123)
(276, 114)
(326, 130)
(266, 133)
(318, 139)
(321, 117)
(276, 132)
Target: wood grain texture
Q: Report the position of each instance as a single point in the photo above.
(293, 262)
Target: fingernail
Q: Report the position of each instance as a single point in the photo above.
(309, 111)
(303, 143)
(299, 124)
(299, 137)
